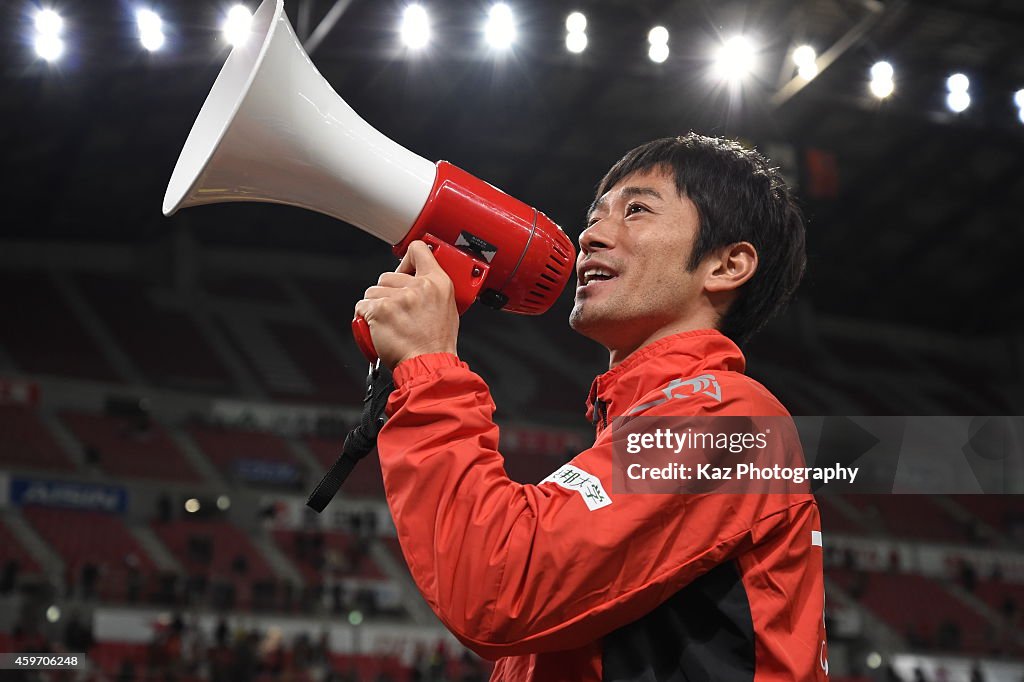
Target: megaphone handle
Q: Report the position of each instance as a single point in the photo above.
(361, 333)
(467, 273)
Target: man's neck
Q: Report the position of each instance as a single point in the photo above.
(616, 355)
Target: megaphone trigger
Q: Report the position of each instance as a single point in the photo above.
(467, 273)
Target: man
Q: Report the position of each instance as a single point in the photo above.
(691, 245)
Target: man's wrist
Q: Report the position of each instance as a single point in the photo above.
(423, 365)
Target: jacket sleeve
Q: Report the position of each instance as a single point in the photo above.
(513, 569)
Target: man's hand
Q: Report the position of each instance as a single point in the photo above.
(412, 311)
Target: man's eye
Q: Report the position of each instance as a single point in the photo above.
(592, 221)
(635, 208)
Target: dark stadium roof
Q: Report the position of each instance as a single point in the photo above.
(924, 226)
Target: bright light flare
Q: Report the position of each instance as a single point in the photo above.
(237, 25)
(735, 59)
(192, 505)
(804, 55)
(658, 39)
(576, 23)
(500, 29)
(48, 43)
(881, 71)
(882, 88)
(958, 101)
(576, 36)
(48, 22)
(882, 84)
(576, 42)
(49, 47)
(415, 30)
(151, 33)
(808, 71)
(958, 83)
(1018, 98)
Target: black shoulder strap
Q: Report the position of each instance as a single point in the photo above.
(359, 441)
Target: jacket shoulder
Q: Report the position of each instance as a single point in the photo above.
(712, 392)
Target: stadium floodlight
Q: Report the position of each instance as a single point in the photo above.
(53, 613)
(657, 37)
(804, 55)
(192, 505)
(1018, 98)
(49, 47)
(874, 660)
(808, 71)
(958, 83)
(882, 88)
(576, 41)
(658, 52)
(500, 29)
(355, 617)
(882, 84)
(48, 43)
(237, 25)
(958, 101)
(151, 33)
(48, 22)
(881, 71)
(735, 59)
(576, 23)
(415, 30)
(576, 36)
(223, 502)
(806, 60)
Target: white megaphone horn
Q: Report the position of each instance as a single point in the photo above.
(272, 129)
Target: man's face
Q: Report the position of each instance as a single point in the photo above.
(633, 283)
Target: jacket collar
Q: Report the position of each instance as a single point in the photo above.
(680, 355)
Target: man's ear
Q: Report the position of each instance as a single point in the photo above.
(731, 267)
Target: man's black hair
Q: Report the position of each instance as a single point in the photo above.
(739, 197)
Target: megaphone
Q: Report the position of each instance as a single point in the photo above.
(272, 129)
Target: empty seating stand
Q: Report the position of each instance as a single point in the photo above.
(252, 457)
(26, 443)
(164, 343)
(125, 448)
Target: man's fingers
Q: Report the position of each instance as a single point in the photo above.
(419, 260)
(395, 280)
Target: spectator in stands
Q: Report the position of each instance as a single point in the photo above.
(691, 245)
(9, 577)
(90, 574)
(77, 635)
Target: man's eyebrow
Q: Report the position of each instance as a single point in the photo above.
(627, 193)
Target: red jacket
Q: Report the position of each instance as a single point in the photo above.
(562, 585)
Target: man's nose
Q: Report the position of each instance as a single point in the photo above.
(596, 237)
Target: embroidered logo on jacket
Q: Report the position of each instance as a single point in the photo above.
(705, 384)
(587, 485)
